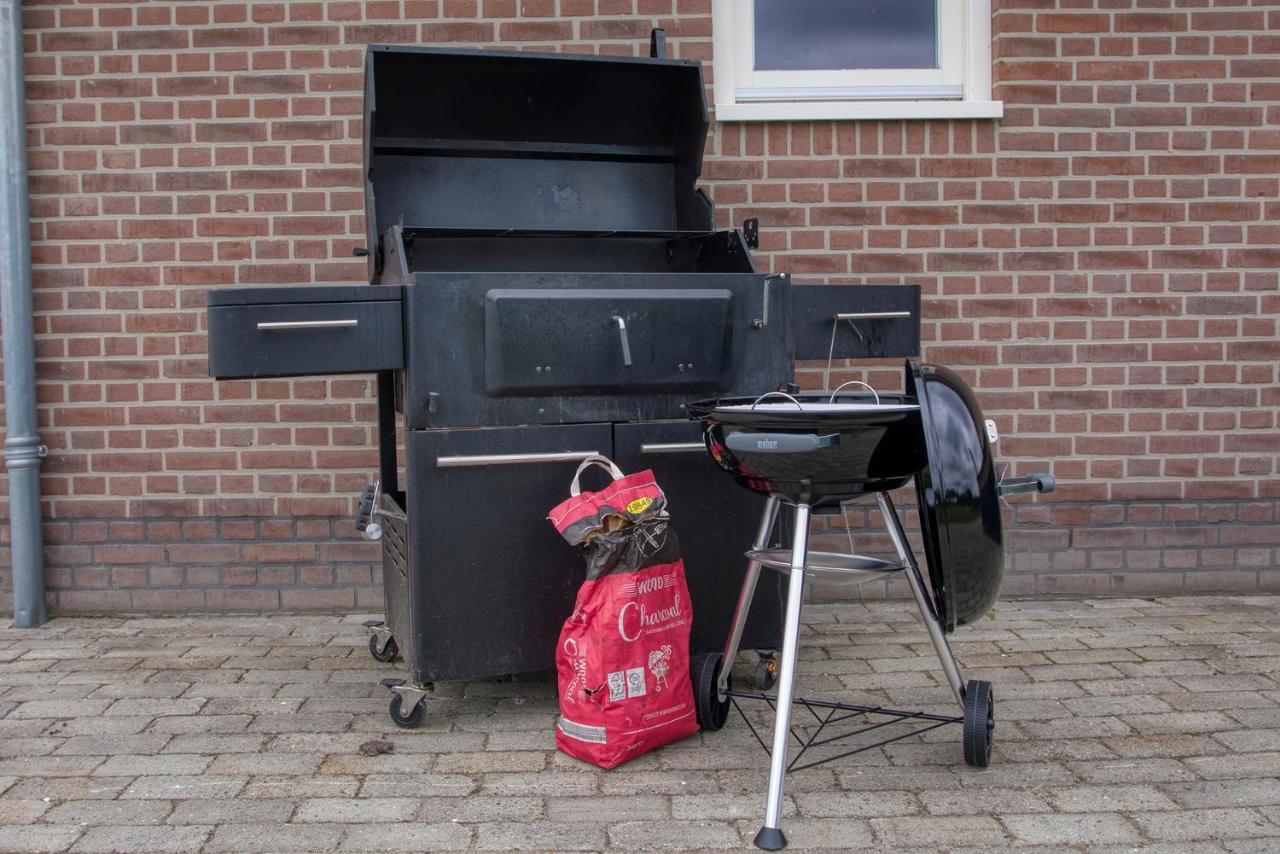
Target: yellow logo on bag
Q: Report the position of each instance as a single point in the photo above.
(640, 505)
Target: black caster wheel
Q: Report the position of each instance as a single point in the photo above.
(979, 722)
(712, 711)
(386, 653)
(413, 719)
(766, 672)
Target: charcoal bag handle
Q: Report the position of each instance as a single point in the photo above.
(594, 460)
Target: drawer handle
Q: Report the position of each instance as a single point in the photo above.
(307, 324)
(674, 448)
(873, 315)
(512, 459)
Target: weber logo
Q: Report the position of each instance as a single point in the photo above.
(767, 444)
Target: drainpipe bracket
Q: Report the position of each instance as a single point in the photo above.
(24, 452)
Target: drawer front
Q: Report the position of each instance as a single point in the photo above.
(298, 339)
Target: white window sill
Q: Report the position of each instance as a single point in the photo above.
(822, 110)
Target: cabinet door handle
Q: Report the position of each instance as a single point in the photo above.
(673, 448)
(512, 459)
(267, 326)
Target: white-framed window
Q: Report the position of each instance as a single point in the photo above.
(852, 59)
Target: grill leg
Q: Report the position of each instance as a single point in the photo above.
(748, 592)
(770, 836)
(927, 613)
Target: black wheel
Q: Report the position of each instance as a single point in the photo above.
(413, 720)
(766, 673)
(979, 723)
(388, 651)
(712, 711)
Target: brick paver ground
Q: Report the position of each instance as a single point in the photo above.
(1124, 724)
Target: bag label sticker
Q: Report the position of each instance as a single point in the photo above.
(635, 682)
(617, 686)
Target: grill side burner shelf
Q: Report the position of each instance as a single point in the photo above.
(546, 283)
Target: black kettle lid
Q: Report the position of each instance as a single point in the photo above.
(957, 493)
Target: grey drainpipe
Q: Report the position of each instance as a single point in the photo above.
(22, 448)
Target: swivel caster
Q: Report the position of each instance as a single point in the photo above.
(384, 653)
(382, 645)
(712, 711)
(406, 696)
(979, 722)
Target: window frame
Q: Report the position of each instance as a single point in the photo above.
(960, 88)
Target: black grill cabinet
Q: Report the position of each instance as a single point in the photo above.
(546, 282)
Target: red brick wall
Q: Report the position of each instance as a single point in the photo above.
(1102, 263)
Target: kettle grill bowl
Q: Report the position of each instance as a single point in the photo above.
(879, 447)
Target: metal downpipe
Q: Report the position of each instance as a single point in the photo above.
(22, 448)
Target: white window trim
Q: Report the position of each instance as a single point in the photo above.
(738, 101)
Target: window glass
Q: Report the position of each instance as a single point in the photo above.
(810, 35)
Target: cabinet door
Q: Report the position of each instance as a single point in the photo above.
(491, 582)
(716, 521)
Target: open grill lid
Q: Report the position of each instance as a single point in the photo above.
(496, 142)
(959, 499)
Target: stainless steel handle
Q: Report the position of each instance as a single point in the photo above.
(308, 324)
(512, 459)
(622, 335)
(873, 315)
(673, 448)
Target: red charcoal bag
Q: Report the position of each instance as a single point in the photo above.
(623, 656)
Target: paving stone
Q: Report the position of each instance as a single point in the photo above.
(1216, 824)
(111, 840)
(273, 837)
(1075, 829)
(348, 810)
(179, 786)
(673, 835)
(1074, 799)
(266, 763)
(608, 808)
(416, 785)
(479, 808)
(121, 766)
(406, 837)
(100, 812)
(214, 811)
(539, 836)
(984, 800)
(20, 811)
(1236, 767)
(1225, 793)
(936, 831)
(1251, 740)
(486, 762)
(725, 806)
(816, 834)
(39, 838)
(327, 786)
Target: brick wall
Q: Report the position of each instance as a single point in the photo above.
(1102, 264)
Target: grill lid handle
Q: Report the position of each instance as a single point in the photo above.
(780, 443)
(1029, 483)
(622, 336)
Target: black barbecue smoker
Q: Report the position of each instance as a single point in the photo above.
(545, 283)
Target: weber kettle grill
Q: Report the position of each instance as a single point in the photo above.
(815, 452)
